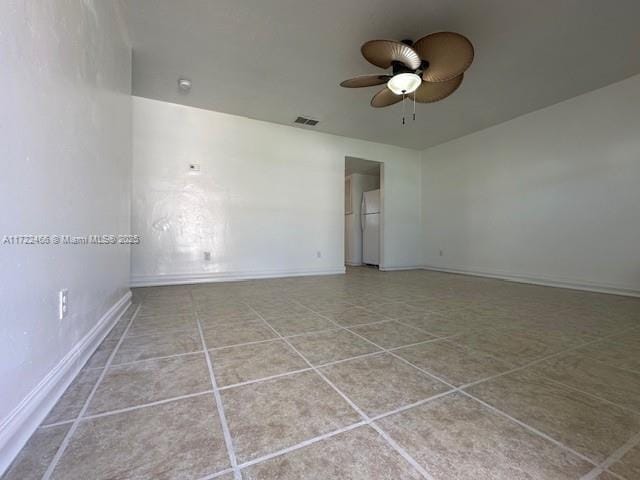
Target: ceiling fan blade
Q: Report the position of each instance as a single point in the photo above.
(384, 98)
(430, 92)
(449, 54)
(365, 81)
(382, 53)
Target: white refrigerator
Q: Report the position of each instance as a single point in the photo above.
(370, 224)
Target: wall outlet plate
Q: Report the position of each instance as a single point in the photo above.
(207, 256)
(63, 303)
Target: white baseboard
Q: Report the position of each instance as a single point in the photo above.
(207, 277)
(397, 269)
(543, 280)
(20, 424)
(353, 264)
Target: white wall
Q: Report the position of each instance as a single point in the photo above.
(267, 197)
(552, 196)
(360, 183)
(65, 148)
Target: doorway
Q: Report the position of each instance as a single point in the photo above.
(363, 212)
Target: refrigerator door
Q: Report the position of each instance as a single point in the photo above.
(371, 202)
(371, 239)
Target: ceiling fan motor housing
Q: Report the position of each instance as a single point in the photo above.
(399, 67)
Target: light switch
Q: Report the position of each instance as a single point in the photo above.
(63, 303)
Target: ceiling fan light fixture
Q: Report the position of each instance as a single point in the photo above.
(404, 83)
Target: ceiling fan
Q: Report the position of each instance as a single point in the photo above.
(426, 71)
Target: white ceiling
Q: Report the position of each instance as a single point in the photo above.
(276, 59)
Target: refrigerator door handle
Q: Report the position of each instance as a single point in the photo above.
(362, 210)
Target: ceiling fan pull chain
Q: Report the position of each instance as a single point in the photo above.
(403, 108)
(414, 107)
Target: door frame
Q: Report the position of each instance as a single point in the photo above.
(383, 206)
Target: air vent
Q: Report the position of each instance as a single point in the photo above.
(306, 121)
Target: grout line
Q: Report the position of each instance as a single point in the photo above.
(412, 405)
(227, 387)
(303, 444)
(134, 362)
(315, 369)
(184, 322)
(264, 379)
(539, 360)
(144, 405)
(76, 422)
(624, 369)
(615, 475)
(94, 368)
(530, 428)
(613, 458)
(301, 370)
(310, 332)
(453, 341)
(395, 355)
(217, 474)
(355, 324)
(402, 451)
(385, 350)
(255, 342)
(169, 332)
(343, 360)
(302, 334)
(592, 395)
(220, 407)
(612, 365)
(459, 389)
(368, 421)
(56, 424)
(529, 364)
(360, 412)
(423, 330)
(273, 339)
(431, 340)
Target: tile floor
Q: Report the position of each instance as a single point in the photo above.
(370, 375)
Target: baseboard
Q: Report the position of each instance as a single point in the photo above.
(20, 424)
(191, 278)
(353, 264)
(397, 269)
(545, 281)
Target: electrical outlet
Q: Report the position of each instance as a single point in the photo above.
(63, 303)
(441, 252)
(319, 254)
(207, 256)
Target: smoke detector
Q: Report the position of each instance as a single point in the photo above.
(184, 84)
